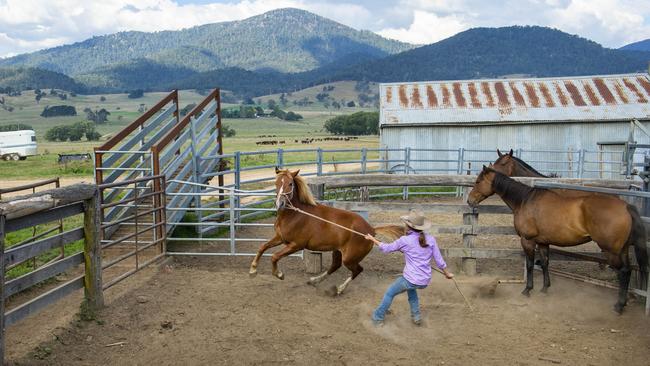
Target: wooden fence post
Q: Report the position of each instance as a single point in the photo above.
(93, 286)
(468, 264)
(314, 260)
(2, 289)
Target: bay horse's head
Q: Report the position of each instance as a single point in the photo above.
(483, 187)
(505, 164)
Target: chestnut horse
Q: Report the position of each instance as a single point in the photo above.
(543, 217)
(298, 231)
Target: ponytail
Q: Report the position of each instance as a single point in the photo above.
(423, 240)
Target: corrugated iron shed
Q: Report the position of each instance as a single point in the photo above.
(588, 98)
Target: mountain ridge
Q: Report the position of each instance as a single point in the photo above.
(477, 53)
(643, 45)
(300, 41)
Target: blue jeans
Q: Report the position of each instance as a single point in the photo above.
(400, 285)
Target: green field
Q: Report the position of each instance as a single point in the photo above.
(124, 110)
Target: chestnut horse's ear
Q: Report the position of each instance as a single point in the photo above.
(484, 167)
(293, 174)
(499, 153)
(490, 166)
(277, 171)
(510, 153)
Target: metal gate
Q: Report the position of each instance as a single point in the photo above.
(132, 227)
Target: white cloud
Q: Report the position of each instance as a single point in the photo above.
(611, 22)
(427, 28)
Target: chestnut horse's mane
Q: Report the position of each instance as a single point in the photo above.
(304, 193)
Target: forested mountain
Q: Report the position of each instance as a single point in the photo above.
(637, 46)
(494, 52)
(22, 78)
(476, 53)
(285, 40)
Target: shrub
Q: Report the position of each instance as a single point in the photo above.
(73, 132)
(134, 94)
(93, 135)
(292, 116)
(228, 131)
(59, 110)
(15, 127)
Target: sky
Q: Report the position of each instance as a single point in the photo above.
(30, 25)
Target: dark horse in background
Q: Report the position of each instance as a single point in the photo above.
(297, 231)
(545, 216)
(512, 166)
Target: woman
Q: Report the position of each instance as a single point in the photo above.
(418, 249)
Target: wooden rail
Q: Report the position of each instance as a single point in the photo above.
(445, 180)
(43, 207)
(470, 228)
(31, 186)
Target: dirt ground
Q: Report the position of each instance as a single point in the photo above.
(207, 311)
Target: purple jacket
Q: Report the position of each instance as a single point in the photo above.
(417, 269)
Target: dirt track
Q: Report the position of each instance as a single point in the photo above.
(208, 311)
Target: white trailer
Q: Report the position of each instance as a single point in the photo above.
(17, 145)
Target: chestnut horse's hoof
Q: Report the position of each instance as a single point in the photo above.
(252, 273)
(280, 275)
(526, 292)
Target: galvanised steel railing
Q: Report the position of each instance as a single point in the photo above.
(254, 170)
(218, 223)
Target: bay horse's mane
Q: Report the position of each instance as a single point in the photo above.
(527, 166)
(302, 189)
(508, 187)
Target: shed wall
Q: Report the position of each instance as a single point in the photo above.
(572, 136)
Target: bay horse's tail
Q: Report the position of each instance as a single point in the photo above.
(392, 232)
(638, 239)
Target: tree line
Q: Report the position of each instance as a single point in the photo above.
(359, 123)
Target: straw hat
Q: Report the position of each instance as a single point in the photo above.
(416, 220)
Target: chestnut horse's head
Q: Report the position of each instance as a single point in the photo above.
(483, 187)
(505, 164)
(288, 185)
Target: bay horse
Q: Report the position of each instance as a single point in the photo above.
(513, 166)
(298, 231)
(543, 217)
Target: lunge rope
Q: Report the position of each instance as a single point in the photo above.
(294, 208)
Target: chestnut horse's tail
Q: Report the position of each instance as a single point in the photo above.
(392, 232)
(638, 239)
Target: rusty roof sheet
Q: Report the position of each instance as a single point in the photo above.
(604, 97)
